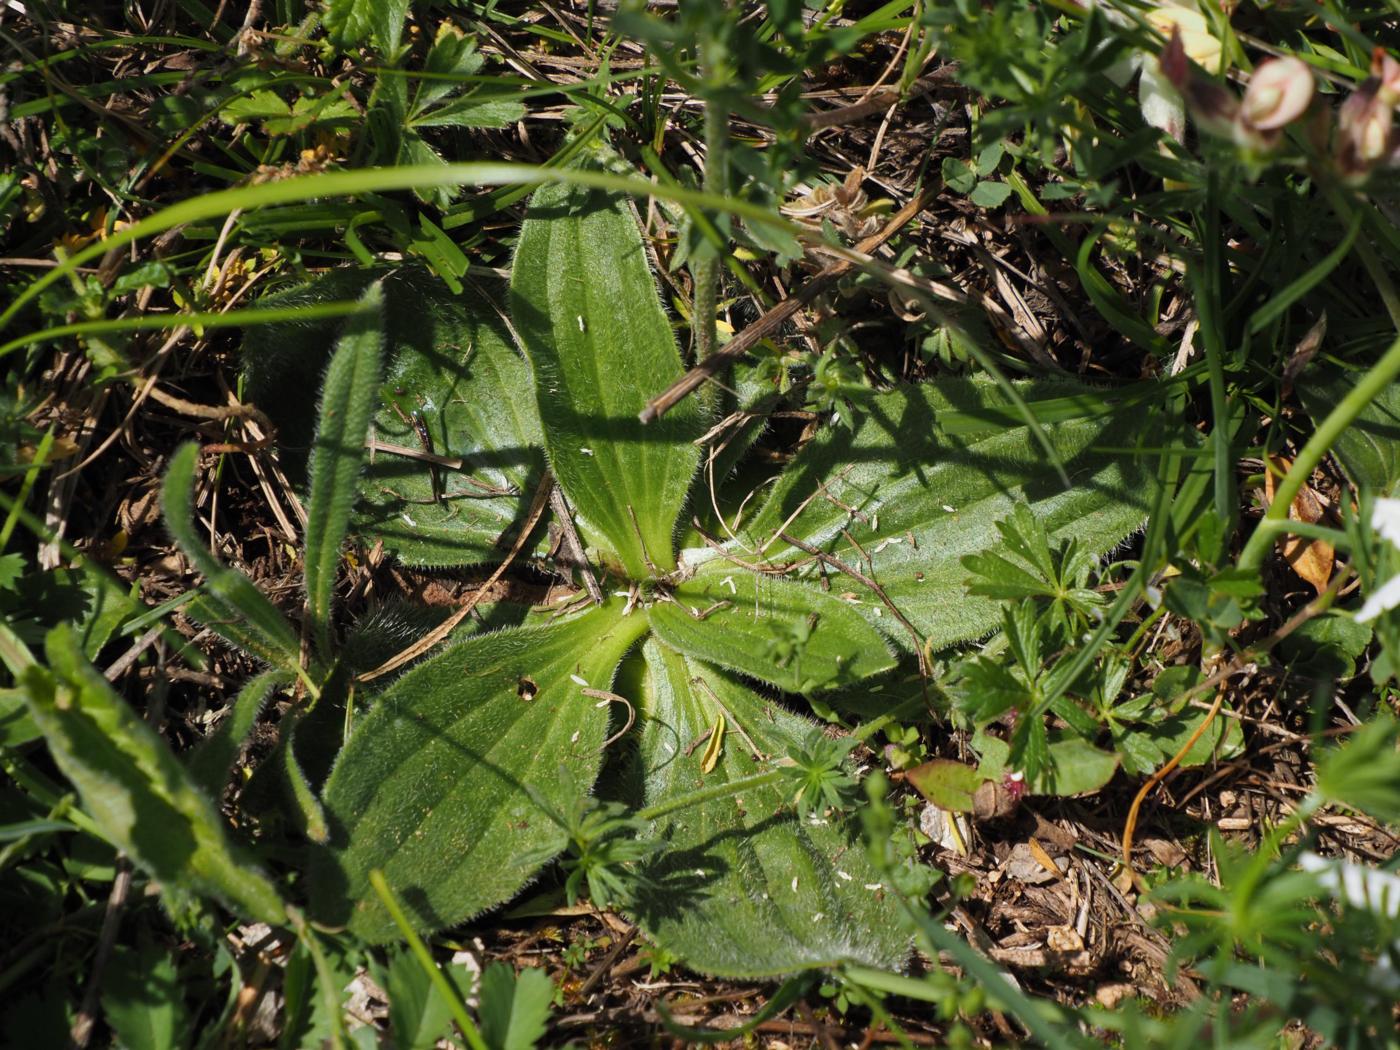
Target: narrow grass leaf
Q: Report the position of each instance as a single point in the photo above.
(212, 761)
(134, 787)
(1304, 282)
(430, 788)
(307, 807)
(231, 605)
(746, 889)
(585, 304)
(348, 399)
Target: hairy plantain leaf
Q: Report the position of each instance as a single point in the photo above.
(449, 359)
(231, 605)
(347, 401)
(585, 304)
(431, 787)
(134, 787)
(744, 888)
(782, 632)
(923, 479)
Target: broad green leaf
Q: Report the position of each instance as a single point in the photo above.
(448, 358)
(259, 105)
(472, 112)
(921, 481)
(1369, 449)
(134, 787)
(782, 632)
(1223, 738)
(946, 783)
(514, 1009)
(418, 1014)
(348, 398)
(744, 888)
(1073, 766)
(231, 605)
(143, 999)
(584, 302)
(430, 788)
(990, 194)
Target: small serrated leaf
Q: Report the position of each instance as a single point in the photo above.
(514, 1009)
(349, 22)
(925, 476)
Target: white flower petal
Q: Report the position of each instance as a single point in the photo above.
(1369, 889)
(1162, 106)
(1385, 519)
(1382, 599)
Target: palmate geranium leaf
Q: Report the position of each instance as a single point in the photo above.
(585, 304)
(922, 481)
(745, 888)
(431, 788)
(450, 367)
(790, 634)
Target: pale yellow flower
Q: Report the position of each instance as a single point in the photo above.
(1201, 45)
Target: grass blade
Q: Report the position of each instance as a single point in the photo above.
(231, 606)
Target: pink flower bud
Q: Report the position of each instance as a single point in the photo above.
(1279, 93)
(1365, 129)
(1387, 71)
(1210, 104)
